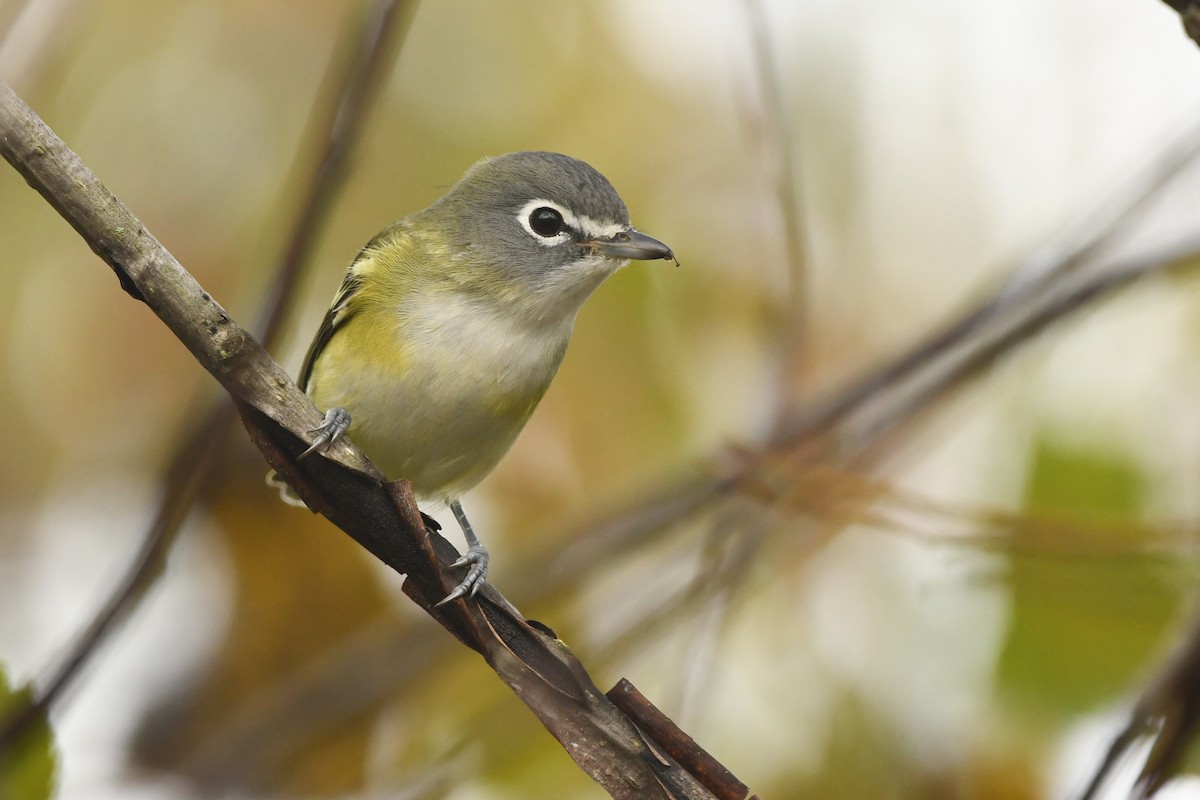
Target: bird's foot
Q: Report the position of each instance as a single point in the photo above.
(477, 558)
(335, 425)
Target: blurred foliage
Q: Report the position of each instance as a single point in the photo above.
(1082, 629)
(856, 653)
(28, 767)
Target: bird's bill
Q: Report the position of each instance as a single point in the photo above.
(633, 244)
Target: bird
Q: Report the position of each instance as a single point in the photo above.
(451, 323)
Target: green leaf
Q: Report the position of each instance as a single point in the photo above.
(28, 767)
(1084, 623)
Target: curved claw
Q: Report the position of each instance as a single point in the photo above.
(477, 557)
(335, 425)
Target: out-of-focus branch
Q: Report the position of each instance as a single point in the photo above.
(759, 476)
(1075, 248)
(1189, 14)
(342, 484)
(368, 670)
(1168, 711)
(35, 32)
(1062, 277)
(336, 118)
(794, 307)
(857, 437)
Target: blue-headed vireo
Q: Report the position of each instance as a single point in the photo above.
(451, 323)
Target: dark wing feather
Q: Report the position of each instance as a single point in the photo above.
(343, 307)
(334, 318)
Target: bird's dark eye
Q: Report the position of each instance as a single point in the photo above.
(545, 221)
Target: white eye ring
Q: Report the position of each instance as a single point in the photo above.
(579, 223)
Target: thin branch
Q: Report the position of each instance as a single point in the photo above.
(342, 484)
(336, 118)
(1189, 14)
(629, 531)
(370, 668)
(339, 118)
(38, 32)
(195, 458)
(857, 437)
(1169, 708)
(731, 476)
(1061, 256)
(778, 144)
(1168, 711)
(719, 780)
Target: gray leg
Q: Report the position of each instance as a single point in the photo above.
(476, 556)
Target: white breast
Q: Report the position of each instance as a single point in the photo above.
(447, 411)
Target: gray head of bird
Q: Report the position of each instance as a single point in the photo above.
(539, 231)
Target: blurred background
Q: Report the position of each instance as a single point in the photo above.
(968, 613)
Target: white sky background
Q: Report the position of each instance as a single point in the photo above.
(984, 127)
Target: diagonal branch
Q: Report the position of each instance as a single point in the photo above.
(1062, 257)
(195, 459)
(342, 485)
(1166, 714)
(1189, 14)
(795, 309)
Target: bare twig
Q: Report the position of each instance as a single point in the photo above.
(342, 484)
(337, 119)
(370, 668)
(1168, 711)
(729, 479)
(677, 744)
(1061, 256)
(1189, 14)
(858, 436)
(195, 457)
(37, 32)
(795, 305)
